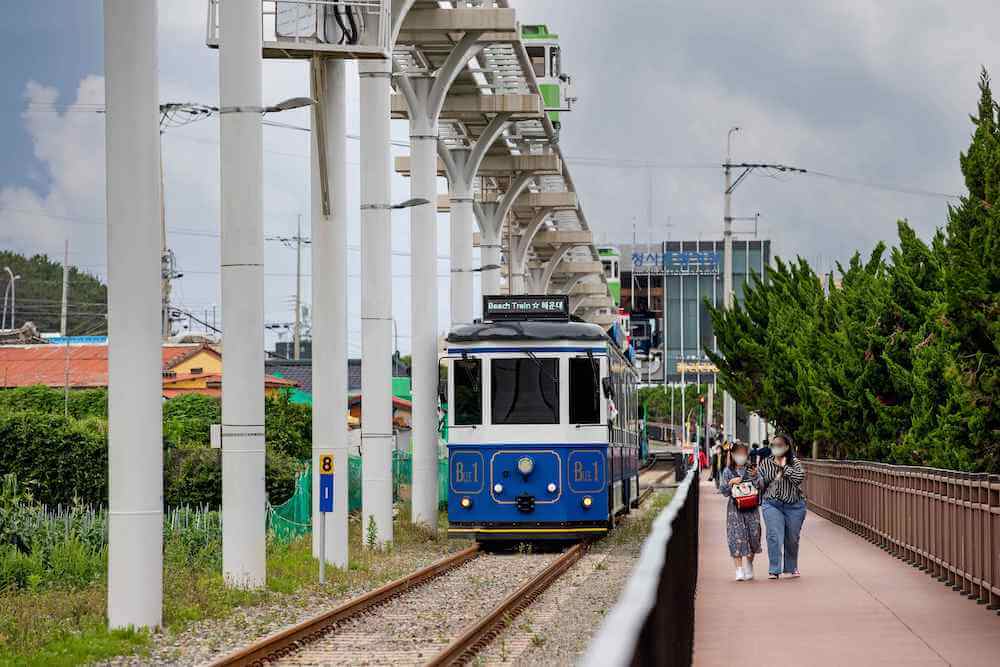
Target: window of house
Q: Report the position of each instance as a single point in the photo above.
(197, 371)
(468, 392)
(584, 390)
(525, 391)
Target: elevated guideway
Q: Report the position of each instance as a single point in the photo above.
(529, 218)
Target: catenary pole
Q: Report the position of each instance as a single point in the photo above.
(135, 447)
(297, 331)
(241, 159)
(65, 291)
(728, 407)
(329, 312)
(376, 301)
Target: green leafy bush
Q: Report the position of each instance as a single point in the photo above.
(60, 460)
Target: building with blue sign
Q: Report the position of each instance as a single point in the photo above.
(664, 286)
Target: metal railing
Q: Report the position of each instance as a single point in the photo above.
(653, 621)
(355, 27)
(944, 522)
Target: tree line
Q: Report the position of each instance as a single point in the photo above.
(895, 357)
(38, 295)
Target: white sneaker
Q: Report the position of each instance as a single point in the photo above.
(740, 576)
(748, 572)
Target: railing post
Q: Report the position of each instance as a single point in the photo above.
(993, 541)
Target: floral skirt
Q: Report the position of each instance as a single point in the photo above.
(742, 531)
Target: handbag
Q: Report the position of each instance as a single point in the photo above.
(746, 496)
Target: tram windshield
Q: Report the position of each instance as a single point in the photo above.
(525, 391)
(537, 56)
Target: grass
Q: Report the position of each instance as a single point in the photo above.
(68, 625)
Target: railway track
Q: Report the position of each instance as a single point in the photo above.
(280, 644)
(464, 648)
(292, 643)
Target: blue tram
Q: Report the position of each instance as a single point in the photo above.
(544, 425)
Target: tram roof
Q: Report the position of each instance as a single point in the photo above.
(535, 330)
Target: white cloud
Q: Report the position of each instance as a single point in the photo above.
(70, 145)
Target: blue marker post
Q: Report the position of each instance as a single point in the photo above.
(326, 471)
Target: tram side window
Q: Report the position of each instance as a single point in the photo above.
(468, 392)
(584, 391)
(525, 391)
(537, 56)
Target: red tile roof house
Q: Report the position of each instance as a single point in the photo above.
(28, 365)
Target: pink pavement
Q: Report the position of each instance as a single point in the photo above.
(854, 605)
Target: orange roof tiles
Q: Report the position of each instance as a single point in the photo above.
(27, 365)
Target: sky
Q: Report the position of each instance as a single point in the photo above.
(877, 93)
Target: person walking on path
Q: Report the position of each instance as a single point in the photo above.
(742, 526)
(780, 479)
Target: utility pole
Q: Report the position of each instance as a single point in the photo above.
(297, 333)
(728, 404)
(65, 292)
(728, 410)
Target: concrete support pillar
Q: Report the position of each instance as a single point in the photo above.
(489, 253)
(135, 447)
(329, 290)
(462, 164)
(425, 97)
(423, 302)
(491, 216)
(241, 160)
(376, 301)
(462, 222)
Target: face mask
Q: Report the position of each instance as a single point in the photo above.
(779, 450)
(740, 459)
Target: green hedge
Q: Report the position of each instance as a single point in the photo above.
(64, 460)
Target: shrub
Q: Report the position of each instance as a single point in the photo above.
(59, 460)
(288, 426)
(192, 476)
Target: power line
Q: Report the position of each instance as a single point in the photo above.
(884, 186)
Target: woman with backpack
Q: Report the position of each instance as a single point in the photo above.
(739, 484)
(783, 506)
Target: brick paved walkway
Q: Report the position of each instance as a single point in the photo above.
(855, 605)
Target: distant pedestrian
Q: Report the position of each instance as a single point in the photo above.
(764, 451)
(742, 526)
(780, 478)
(754, 454)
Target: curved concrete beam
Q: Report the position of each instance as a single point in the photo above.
(550, 268)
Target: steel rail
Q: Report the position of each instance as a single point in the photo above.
(481, 633)
(292, 638)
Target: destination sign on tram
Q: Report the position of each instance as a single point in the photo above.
(526, 307)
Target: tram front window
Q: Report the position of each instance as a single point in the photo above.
(525, 391)
(468, 392)
(584, 385)
(537, 56)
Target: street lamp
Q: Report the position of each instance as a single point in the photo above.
(10, 289)
(484, 267)
(409, 203)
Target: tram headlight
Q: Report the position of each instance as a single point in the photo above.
(587, 502)
(551, 487)
(525, 465)
(466, 502)
(498, 488)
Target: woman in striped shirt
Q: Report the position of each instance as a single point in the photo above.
(780, 479)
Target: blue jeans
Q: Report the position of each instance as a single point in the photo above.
(784, 524)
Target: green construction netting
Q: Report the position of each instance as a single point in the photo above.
(291, 518)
